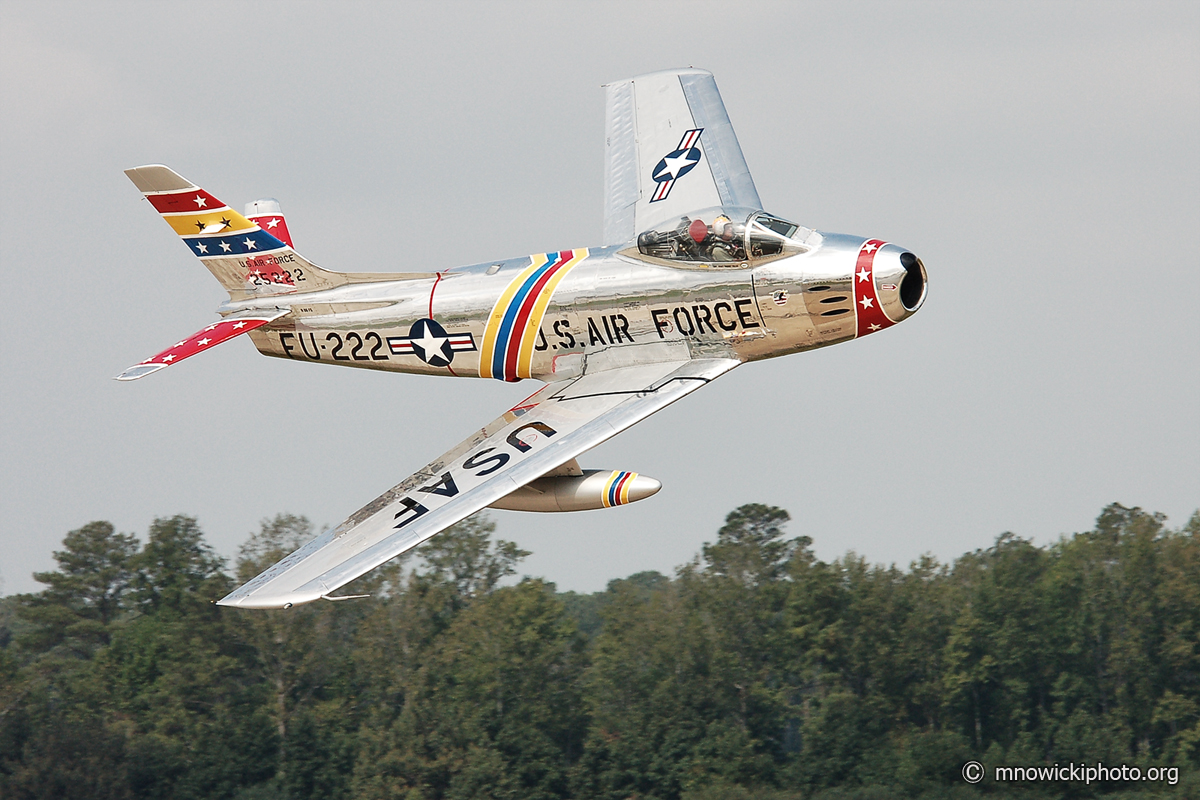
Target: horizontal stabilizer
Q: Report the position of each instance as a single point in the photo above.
(205, 339)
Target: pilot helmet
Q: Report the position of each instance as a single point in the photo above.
(723, 227)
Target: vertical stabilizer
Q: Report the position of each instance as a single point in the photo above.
(669, 149)
(248, 260)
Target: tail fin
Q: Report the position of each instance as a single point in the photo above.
(669, 150)
(247, 260)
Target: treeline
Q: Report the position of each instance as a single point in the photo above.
(757, 671)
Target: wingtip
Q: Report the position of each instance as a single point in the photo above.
(138, 371)
(242, 599)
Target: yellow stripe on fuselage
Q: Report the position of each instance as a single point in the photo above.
(529, 337)
(487, 349)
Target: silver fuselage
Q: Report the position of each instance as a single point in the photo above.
(614, 308)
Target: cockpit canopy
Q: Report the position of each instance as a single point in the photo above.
(724, 236)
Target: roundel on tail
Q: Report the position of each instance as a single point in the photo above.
(675, 164)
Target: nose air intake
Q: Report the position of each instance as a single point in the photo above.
(912, 287)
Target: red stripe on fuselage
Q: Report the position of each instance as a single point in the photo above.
(437, 279)
(518, 329)
(433, 289)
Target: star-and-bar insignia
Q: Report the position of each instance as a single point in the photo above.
(675, 164)
(428, 341)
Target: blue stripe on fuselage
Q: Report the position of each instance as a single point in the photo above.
(510, 315)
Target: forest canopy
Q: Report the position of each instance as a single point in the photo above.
(756, 670)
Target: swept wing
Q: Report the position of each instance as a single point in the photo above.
(547, 430)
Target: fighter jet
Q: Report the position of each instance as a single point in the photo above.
(693, 278)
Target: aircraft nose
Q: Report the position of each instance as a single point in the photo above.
(900, 280)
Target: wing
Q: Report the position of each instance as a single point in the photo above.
(205, 339)
(669, 149)
(547, 430)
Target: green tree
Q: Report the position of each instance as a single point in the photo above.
(999, 658)
(465, 560)
(757, 671)
(398, 633)
(63, 752)
(496, 709)
(1177, 712)
(87, 592)
(643, 694)
(750, 548)
(177, 572)
(176, 682)
(689, 680)
(302, 656)
(739, 595)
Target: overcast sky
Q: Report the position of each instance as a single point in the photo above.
(1041, 158)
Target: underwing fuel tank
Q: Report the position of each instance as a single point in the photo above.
(593, 489)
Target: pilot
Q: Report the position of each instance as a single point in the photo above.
(723, 228)
(723, 245)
